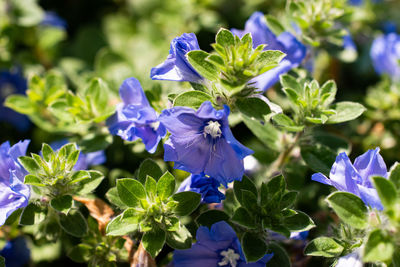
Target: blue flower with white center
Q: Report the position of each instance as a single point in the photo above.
(16, 252)
(354, 178)
(286, 42)
(14, 194)
(135, 118)
(12, 82)
(206, 186)
(52, 19)
(202, 142)
(217, 246)
(85, 160)
(176, 67)
(385, 55)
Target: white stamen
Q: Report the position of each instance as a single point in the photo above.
(155, 125)
(213, 128)
(230, 257)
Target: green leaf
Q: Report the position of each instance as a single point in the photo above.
(318, 157)
(192, 99)
(210, 217)
(187, 202)
(394, 175)
(266, 133)
(346, 111)
(288, 81)
(254, 248)
(225, 38)
(166, 185)
(26, 13)
(33, 180)
(269, 59)
(79, 176)
(86, 186)
(253, 107)
(324, 247)
(386, 190)
(113, 197)
(151, 168)
(81, 253)
(29, 164)
(153, 241)
(62, 203)
(32, 214)
(197, 58)
(280, 257)
(273, 190)
(379, 247)
(299, 222)
(130, 191)
(249, 201)
(244, 184)
(287, 123)
(181, 239)
(47, 152)
(20, 104)
(274, 25)
(151, 187)
(73, 223)
(288, 199)
(124, 224)
(2, 262)
(350, 209)
(243, 217)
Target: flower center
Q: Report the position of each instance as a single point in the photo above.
(213, 128)
(229, 257)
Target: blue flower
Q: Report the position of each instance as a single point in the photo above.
(12, 83)
(354, 178)
(135, 118)
(385, 54)
(16, 252)
(14, 194)
(176, 67)
(52, 19)
(218, 246)
(360, 2)
(85, 160)
(286, 42)
(206, 186)
(202, 142)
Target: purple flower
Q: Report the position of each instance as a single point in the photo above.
(85, 160)
(202, 142)
(52, 19)
(176, 67)
(385, 54)
(16, 252)
(218, 246)
(14, 194)
(12, 83)
(285, 42)
(135, 118)
(206, 186)
(354, 178)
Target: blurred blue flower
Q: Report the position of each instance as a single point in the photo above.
(202, 142)
(286, 42)
(12, 83)
(85, 160)
(360, 2)
(52, 19)
(352, 259)
(176, 67)
(354, 178)
(206, 186)
(135, 118)
(218, 246)
(14, 194)
(385, 54)
(16, 252)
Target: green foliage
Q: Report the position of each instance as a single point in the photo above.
(324, 246)
(350, 209)
(153, 210)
